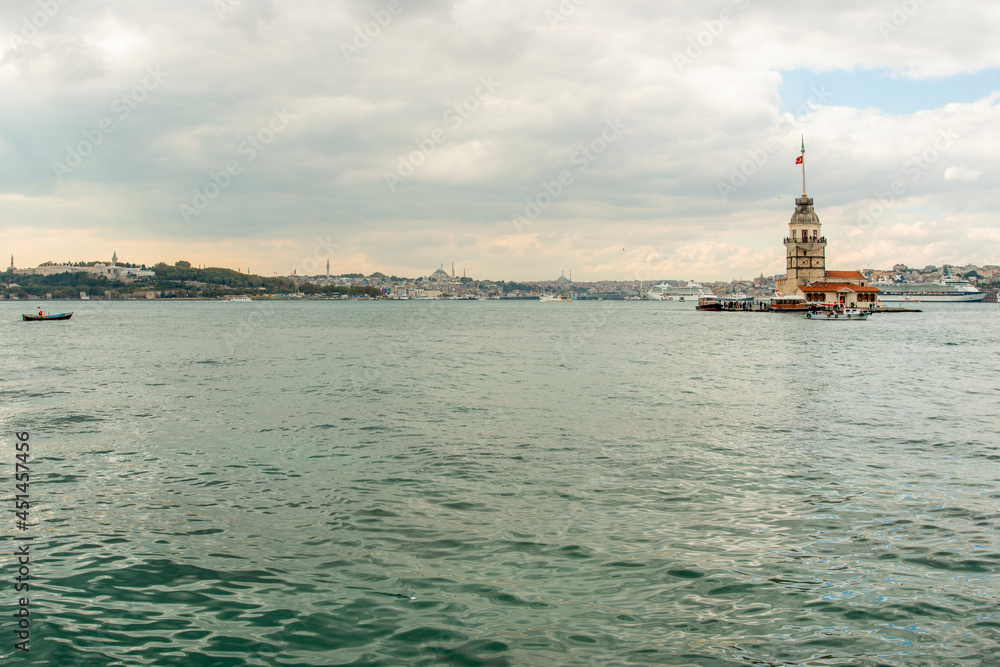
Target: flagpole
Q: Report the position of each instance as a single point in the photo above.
(803, 166)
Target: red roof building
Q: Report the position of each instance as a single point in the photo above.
(846, 295)
(847, 276)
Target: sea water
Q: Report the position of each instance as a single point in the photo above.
(503, 483)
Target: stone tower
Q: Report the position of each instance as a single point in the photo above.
(805, 245)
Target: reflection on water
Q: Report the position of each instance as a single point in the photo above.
(493, 483)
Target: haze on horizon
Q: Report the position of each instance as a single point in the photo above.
(619, 140)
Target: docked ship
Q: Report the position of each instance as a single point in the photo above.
(708, 303)
(947, 289)
(665, 292)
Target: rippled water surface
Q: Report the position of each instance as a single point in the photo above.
(505, 483)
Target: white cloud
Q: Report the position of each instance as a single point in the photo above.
(961, 173)
(654, 189)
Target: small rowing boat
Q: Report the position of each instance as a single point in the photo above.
(44, 318)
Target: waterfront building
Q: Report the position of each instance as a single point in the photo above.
(846, 289)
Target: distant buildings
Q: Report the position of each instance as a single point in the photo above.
(110, 271)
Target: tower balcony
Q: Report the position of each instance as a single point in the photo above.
(814, 239)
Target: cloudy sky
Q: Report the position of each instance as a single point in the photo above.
(619, 139)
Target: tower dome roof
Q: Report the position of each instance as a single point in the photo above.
(804, 213)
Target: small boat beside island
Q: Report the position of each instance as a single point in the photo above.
(44, 318)
(708, 303)
(847, 315)
(789, 304)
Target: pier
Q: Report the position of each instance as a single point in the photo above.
(764, 306)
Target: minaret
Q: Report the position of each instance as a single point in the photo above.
(805, 246)
(114, 259)
(12, 262)
(327, 268)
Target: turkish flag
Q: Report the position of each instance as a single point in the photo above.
(798, 160)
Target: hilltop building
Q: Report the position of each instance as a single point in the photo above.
(805, 261)
(440, 276)
(111, 272)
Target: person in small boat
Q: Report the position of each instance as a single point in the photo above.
(40, 312)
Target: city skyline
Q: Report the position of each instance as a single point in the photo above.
(50, 268)
(621, 141)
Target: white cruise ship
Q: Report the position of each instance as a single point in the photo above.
(664, 292)
(946, 289)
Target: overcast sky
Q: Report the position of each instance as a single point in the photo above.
(626, 139)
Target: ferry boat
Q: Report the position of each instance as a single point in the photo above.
(665, 292)
(789, 304)
(554, 297)
(238, 298)
(708, 303)
(948, 288)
